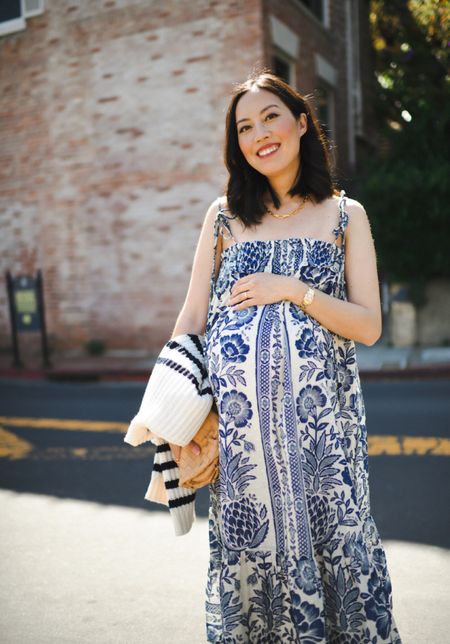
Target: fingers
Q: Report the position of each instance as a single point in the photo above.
(242, 297)
(176, 450)
(247, 294)
(194, 447)
(241, 291)
(243, 303)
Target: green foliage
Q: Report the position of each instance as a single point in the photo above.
(405, 188)
(407, 198)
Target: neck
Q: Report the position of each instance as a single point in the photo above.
(282, 183)
(286, 200)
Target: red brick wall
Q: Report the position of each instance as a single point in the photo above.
(112, 123)
(111, 130)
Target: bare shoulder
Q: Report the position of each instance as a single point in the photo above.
(223, 203)
(355, 206)
(358, 227)
(212, 211)
(222, 200)
(356, 212)
(357, 215)
(350, 204)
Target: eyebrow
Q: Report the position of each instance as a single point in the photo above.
(263, 110)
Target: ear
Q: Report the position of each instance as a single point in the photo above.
(302, 124)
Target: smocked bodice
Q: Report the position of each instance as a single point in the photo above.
(315, 262)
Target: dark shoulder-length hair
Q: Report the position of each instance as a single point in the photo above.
(246, 186)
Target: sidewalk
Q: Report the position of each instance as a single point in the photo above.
(109, 574)
(377, 362)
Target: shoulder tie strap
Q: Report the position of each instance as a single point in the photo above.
(224, 224)
(343, 218)
(222, 227)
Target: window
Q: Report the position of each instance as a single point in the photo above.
(324, 106)
(14, 12)
(10, 10)
(285, 50)
(318, 8)
(283, 67)
(315, 6)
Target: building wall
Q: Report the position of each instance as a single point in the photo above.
(433, 318)
(341, 42)
(112, 123)
(367, 136)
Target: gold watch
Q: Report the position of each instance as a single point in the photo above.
(307, 298)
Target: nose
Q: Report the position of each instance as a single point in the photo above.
(261, 131)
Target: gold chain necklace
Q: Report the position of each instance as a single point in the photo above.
(289, 214)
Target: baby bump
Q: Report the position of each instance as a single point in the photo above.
(312, 346)
(273, 356)
(239, 339)
(230, 348)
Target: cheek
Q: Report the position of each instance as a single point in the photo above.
(245, 147)
(288, 131)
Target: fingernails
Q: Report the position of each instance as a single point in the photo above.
(196, 449)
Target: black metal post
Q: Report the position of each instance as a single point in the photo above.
(17, 361)
(44, 344)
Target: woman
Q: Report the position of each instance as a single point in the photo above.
(295, 555)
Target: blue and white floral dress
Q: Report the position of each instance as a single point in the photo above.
(295, 555)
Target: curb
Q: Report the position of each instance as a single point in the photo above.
(75, 375)
(416, 372)
(431, 371)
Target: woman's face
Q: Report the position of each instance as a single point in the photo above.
(265, 123)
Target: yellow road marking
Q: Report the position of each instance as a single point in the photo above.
(60, 423)
(426, 445)
(384, 445)
(408, 445)
(96, 453)
(14, 447)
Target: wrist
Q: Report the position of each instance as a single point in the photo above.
(296, 291)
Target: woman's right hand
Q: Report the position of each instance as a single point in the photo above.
(176, 449)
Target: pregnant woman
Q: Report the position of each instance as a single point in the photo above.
(295, 555)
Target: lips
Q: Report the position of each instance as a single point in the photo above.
(268, 150)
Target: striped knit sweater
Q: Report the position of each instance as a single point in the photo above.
(164, 488)
(177, 399)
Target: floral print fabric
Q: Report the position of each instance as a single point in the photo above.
(295, 555)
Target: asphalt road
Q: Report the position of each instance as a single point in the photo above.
(89, 560)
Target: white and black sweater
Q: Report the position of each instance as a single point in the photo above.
(177, 399)
(164, 488)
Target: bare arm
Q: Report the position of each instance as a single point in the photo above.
(193, 314)
(360, 317)
(192, 317)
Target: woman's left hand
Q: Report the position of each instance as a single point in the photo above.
(176, 449)
(258, 288)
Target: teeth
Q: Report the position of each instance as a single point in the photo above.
(268, 151)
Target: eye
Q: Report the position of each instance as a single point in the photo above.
(242, 129)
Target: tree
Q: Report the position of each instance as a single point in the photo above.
(406, 185)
